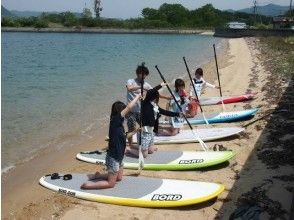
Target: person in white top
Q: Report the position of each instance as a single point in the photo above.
(133, 89)
(200, 84)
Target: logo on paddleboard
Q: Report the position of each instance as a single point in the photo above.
(228, 116)
(166, 197)
(66, 192)
(100, 163)
(191, 161)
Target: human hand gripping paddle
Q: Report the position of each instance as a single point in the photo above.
(203, 145)
(187, 68)
(220, 88)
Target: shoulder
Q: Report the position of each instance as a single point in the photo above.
(130, 81)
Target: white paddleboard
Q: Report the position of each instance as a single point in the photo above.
(138, 191)
(186, 136)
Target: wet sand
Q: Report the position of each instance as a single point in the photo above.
(241, 69)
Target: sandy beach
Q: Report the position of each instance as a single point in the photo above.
(249, 178)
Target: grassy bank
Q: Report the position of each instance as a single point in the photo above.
(280, 54)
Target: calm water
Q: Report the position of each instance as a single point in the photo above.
(57, 89)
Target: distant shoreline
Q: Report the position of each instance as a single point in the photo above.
(107, 30)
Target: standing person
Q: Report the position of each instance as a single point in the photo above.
(150, 117)
(134, 88)
(200, 83)
(116, 148)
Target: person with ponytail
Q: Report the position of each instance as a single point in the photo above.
(116, 148)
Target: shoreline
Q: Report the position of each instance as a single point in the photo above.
(239, 66)
(108, 30)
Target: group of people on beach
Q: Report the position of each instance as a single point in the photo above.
(142, 108)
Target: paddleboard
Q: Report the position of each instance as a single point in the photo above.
(166, 160)
(226, 99)
(186, 136)
(138, 191)
(223, 117)
(220, 117)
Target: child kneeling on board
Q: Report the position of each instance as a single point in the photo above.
(116, 148)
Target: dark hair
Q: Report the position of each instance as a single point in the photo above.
(179, 83)
(199, 71)
(117, 108)
(142, 69)
(151, 95)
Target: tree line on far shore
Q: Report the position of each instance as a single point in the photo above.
(167, 16)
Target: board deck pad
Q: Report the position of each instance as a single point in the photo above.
(138, 191)
(167, 160)
(187, 136)
(226, 99)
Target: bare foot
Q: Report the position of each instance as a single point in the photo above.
(152, 150)
(89, 185)
(94, 176)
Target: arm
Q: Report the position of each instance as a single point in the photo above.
(131, 88)
(211, 85)
(165, 97)
(130, 106)
(168, 113)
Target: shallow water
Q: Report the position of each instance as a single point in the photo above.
(57, 89)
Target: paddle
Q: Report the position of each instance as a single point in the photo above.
(141, 158)
(187, 68)
(203, 145)
(220, 88)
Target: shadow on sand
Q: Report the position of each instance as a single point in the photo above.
(269, 168)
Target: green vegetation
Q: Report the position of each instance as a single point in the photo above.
(167, 16)
(280, 52)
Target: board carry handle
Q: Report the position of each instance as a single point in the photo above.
(91, 152)
(203, 145)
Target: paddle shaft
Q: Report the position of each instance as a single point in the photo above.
(215, 58)
(142, 88)
(187, 68)
(163, 79)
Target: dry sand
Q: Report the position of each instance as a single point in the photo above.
(23, 198)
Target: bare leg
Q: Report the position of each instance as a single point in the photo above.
(120, 174)
(152, 149)
(103, 184)
(135, 152)
(99, 175)
(130, 141)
